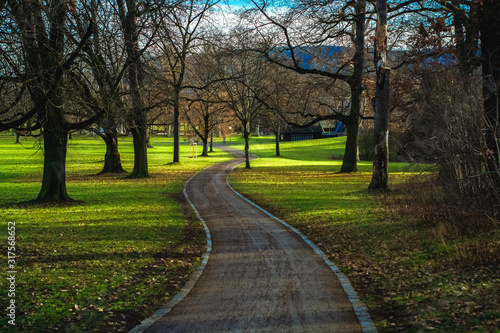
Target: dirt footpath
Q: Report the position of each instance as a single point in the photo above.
(260, 277)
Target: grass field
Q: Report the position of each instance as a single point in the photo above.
(415, 274)
(104, 263)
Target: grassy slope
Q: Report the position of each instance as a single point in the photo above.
(413, 275)
(107, 262)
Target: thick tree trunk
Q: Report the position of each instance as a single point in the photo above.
(140, 138)
(128, 17)
(350, 160)
(466, 36)
(490, 49)
(380, 176)
(112, 160)
(139, 135)
(148, 139)
(55, 144)
(205, 147)
(382, 102)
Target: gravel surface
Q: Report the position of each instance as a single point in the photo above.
(260, 277)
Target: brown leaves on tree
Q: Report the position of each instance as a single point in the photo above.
(72, 6)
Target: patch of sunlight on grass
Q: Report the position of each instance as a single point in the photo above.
(124, 246)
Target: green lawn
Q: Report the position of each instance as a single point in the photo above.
(414, 274)
(107, 262)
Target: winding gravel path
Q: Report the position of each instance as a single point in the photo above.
(261, 276)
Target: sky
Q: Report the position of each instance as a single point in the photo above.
(237, 3)
(226, 17)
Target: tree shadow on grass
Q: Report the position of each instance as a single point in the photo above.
(36, 204)
(99, 256)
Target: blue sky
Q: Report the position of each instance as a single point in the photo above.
(237, 3)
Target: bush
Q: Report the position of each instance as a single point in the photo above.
(449, 126)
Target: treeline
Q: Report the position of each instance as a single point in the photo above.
(423, 72)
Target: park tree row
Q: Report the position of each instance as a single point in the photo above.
(68, 65)
(370, 32)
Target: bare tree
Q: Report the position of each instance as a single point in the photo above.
(139, 29)
(287, 95)
(474, 27)
(50, 49)
(244, 90)
(181, 33)
(106, 57)
(302, 33)
(203, 117)
(382, 101)
(205, 112)
(275, 121)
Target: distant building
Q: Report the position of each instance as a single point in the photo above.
(323, 129)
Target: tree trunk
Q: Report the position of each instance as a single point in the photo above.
(246, 135)
(112, 160)
(277, 137)
(140, 139)
(148, 139)
(350, 160)
(466, 36)
(212, 142)
(380, 175)
(176, 128)
(205, 147)
(206, 134)
(382, 102)
(128, 17)
(490, 44)
(55, 144)
(139, 135)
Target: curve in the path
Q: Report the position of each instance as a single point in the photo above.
(261, 276)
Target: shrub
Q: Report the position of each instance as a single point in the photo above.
(449, 125)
